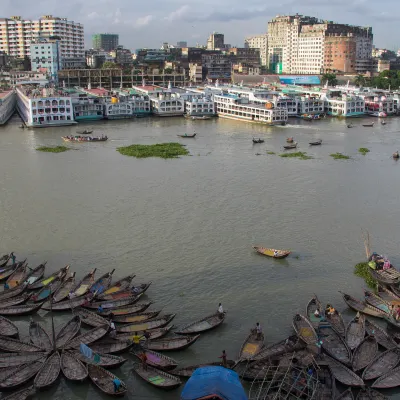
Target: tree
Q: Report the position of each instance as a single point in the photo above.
(167, 71)
(330, 78)
(360, 80)
(110, 65)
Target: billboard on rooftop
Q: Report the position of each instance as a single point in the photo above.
(300, 80)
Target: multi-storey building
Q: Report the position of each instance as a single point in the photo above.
(16, 35)
(46, 55)
(105, 41)
(259, 42)
(215, 41)
(217, 66)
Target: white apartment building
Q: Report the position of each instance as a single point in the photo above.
(259, 42)
(16, 35)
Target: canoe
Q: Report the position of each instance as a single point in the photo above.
(381, 336)
(69, 304)
(334, 344)
(102, 284)
(68, 331)
(83, 286)
(140, 289)
(39, 336)
(343, 374)
(6, 272)
(251, 346)
(65, 288)
(111, 346)
(103, 379)
(109, 304)
(47, 290)
(85, 132)
(49, 372)
(258, 141)
(72, 368)
(313, 305)
(274, 253)
(376, 301)
(8, 360)
(4, 260)
(362, 307)
(346, 395)
(157, 360)
(7, 328)
(368, 125)
(290, 146)
(118, 286)
(388, 276)
(21, 394)
(289, 345)
(303, 358)
(14, 345)
(156, 377)
(304, 329)
(123, 294)
(128, 310)
(84, 139)
(381, 364)
(159, 322)
(186, 372)
(47, 280)
(187, 136)
(172, 343)
(21, 309)
(336, 320)
(202, 325)
(289, 140)
(9, 293)
(88, 337)
(18, 276)
(107, 361)
(36, 274)
(355, 331)
(91, 318)
(20, 375)
(154, 333)
(129, 319)
(316, 143)
(364, 353)
(389, 380)
(370, 394)
(14, 301)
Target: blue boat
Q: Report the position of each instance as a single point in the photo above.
(213, 383)
(102, 284)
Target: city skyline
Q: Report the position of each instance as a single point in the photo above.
(149, 25)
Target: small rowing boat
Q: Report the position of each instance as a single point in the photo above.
(203, 324)
(364, 353)
(84, 139)
(156, 377)
(251, 346)
(83, 286)
(156, 360)
(104, 380)
(381, 364)
(49, 372)
(72, 368)
(290, 146)
(304, 329)
(316, 143)
(187, 136)
(274, 253)
(172, 344)
(355, 331)
(68, 331)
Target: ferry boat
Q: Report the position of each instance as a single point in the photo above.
(87, 109)
(118, 110)
(377, 105)
(42, 107)
(341, 104)
(141, 106)
(7, 105)
(167, 105)
(199, 107)
(239, 108)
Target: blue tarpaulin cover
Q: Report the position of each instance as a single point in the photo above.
(218, 381)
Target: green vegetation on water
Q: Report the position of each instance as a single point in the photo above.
(363, 150)
(55, 149)
(339, 156)
(362, 270)
(298, 154)
(162, 150)
(271, 152)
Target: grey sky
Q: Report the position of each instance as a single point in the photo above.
(149, 23)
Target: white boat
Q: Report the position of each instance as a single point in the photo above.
(7, 105)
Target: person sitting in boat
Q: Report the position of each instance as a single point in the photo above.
(386, 263)
(71, 295)
(396, 154)
(113, 332)
(317, 314)
(100, 309)
(135, 290)
(329, 310)
(276, 253)
(258, 331)
(6, 286)
(12, 255)
(117, 385)
(220, 311)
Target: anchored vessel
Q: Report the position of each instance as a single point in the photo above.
(7, 105)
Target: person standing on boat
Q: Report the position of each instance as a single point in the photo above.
(12, 255)
(136, 342)
(113, 332)
(143, 358)
(220, 310)
(146, 336)
(223, 356)
(258, 331)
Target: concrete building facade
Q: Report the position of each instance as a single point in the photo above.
(259, 42)
(46, 55)
(105, 41)
(216, 41)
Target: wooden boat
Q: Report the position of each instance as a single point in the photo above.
(102, 284)
(157, 360)
(47, 280)
(304, 329)
(376, 301)
(83, 286)
(88, 337)
(72, 368)
(355, 331)
(327, 383)
(389, 380)
(289, 345)
(154, 333)
(202, 325)
(172, 343)
(343, 374)
(39, 336)
(186, 372)
(7, 328)
(91, 318)
(21, 309)
(47, 290)
(82, 139)
(128, 310)
(36, 274)
(396, 155)
(334, 344)
(290, 146)
(388, 276)
(159, 322)
(346, 395)
(186, 136)
(20, 375)
(85, 132)
(69, 304)
(381, 364)
(68, 331)
(336, 321)
(274, 253)
(139, 289)
(316, 143)
(110, 346)
(14, 345)
(251, 346)
(370, 394)
(8, 360)
(313, 305)
(21, 394)
(364, 353)
(14, 301)
(289, 140)
(381, 336)
(49, 372)
(118, 286)
(4, 260)
(202, 118)
(123, 294)
(109, 304)
(9, 293)
(6, 272)
(256, 141)
(107, 361)
(65, 288)
(129, 319)
(18, 276)
(362, 307)
(103, 379)
(156, 377)
(393, 322)
(368, 125)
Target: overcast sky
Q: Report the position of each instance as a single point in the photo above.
(150, 23)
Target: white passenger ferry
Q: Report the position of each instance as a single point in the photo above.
(7, 105)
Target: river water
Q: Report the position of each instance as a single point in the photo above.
(188, 224)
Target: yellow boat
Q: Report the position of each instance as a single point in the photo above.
(274, 253)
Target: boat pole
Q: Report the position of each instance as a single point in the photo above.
(52, 321)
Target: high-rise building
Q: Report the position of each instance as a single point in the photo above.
(181, 44)
(259, 42)
(105, 41)
(16, 35)
(46, 55)
(215, 41)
